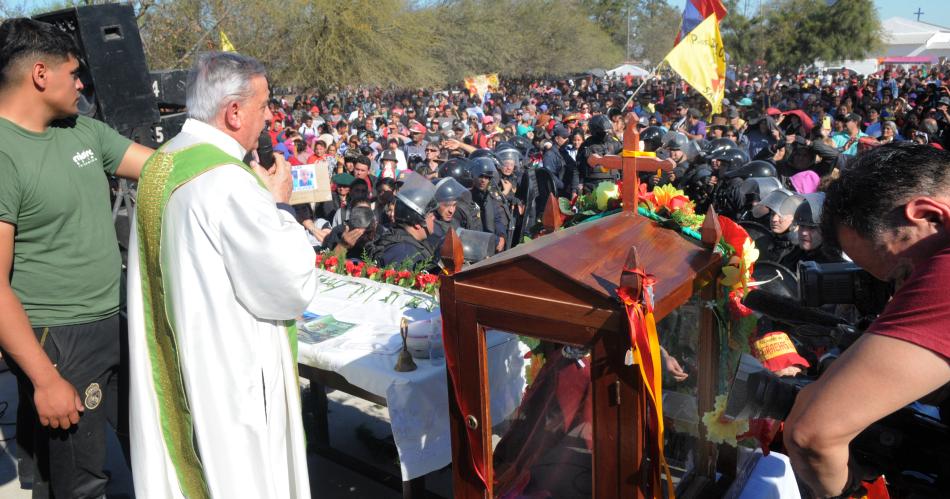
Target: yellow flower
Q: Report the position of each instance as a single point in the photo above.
(720, 431)
(737, 274)
(604, 192)
(733, 276)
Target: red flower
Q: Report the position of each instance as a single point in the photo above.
(736, 308)
(354, 269)
(319, 259)
(425, 280)
(763, 430)
(331, 263)
(404, 277)
(372, 271)
(389, 274)
(733, 234)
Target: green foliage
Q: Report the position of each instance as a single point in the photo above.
(323, 43)
(788, 34)
(653, 25)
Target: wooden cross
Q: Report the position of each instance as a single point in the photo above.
(631, 162)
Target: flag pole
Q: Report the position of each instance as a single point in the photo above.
(645, 80)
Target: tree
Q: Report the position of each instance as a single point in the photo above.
(789, 34)
(653, 25)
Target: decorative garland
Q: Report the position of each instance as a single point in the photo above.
(404, 275)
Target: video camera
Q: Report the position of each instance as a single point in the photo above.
(911, 448)
(842, 283)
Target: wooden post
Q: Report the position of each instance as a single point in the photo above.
(711, 231)
(552, 218)
(451, 253)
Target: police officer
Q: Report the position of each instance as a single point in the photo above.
(466, 210)
(780, 206)
(565, 179)
(494, 214)
(450, 197)
(729, 198)
(674, 148)
(412, 240)
(601, 142)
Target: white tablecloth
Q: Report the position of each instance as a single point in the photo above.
(417, 400)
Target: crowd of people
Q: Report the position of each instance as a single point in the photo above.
(775, 143)
(216, 246)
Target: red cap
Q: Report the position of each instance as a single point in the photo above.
(776, 352)
(417, 127)
(773, 111)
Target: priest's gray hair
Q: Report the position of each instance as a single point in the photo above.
(218, 79)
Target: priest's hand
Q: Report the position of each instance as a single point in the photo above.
(57, 403)
(277, 179)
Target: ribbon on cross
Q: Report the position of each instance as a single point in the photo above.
(636, 293)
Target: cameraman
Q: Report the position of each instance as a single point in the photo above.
(890, 212)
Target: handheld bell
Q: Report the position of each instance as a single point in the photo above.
(404, 363)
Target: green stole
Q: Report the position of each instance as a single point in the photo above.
(162, 174)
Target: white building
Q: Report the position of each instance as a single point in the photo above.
(907, 38)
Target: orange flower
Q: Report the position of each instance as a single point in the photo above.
(671, 199)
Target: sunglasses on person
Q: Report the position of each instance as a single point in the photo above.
(432, 150)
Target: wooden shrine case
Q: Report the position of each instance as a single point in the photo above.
(561, 290)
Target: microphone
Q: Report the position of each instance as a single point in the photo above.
(265, 151)
(787, 310)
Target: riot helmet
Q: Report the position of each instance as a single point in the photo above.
(476, 245)
(481, 153)
(448, 189)
(717, 145)
(757, 188)
(485, 167)
(459, 169)
(730, 159)
(652, 137)
(754, 169)
(781, 201)
(809, 212)
(416, 195)
(599, 125)
(675, 141)
(509, 155)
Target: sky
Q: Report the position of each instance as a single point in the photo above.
(934, 11)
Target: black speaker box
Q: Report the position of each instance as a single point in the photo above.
(168, 86)
(158, 133)
(116, 78)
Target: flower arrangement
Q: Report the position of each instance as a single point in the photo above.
(402, 275)
(664, 204)
(740, 254)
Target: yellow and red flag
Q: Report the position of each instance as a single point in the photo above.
(701, 60)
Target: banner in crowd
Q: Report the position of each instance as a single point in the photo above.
(226, 45)
(701, 60)
(481, 83)
(695, 12)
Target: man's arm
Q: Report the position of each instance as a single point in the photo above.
(57, 402)
(873, 378)
(133, 161)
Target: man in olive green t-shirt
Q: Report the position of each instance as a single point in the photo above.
(59, 260)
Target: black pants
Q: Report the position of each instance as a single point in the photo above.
(66, 464)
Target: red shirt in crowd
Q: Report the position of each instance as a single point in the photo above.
(919, 313)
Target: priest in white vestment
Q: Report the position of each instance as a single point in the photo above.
(214, 403)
